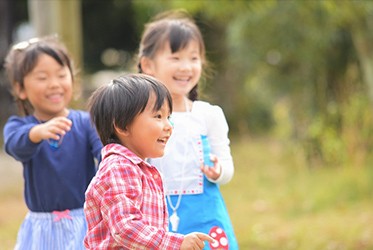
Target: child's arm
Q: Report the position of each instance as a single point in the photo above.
(125, 205)
(16, 140)
(52, 129)
(19, 141)
(94, 140)
(133, 210)
(22, 137)
(195, 241)
(217, 132)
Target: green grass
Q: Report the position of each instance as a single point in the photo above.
(275, 201)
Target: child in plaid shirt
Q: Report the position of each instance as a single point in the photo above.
(125, 206)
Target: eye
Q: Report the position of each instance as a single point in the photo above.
(63, 75)
(158, 116)
(170, 120)
(41, 78)
(195, 58)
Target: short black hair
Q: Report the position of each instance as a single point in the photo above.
(120, 101)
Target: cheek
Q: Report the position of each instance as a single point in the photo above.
(30, 89)
(198, 68)
(160, 74)
(154, 130)
(68, 87)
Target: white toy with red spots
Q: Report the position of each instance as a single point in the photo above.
(221, 239)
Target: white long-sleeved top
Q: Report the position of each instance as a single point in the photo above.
(180, 165)
(197, 200)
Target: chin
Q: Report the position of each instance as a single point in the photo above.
(158, 154)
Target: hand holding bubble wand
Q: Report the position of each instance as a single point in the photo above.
(52, 130)
(206, 151)
(210, 165)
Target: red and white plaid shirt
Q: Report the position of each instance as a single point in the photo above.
(125, 206)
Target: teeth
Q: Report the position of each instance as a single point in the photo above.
(182, 78)
(54, 97)
(164, 140)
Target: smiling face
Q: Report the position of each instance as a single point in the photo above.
(48, 87)
(149, 132)
(179, 71)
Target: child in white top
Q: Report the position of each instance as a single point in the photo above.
(173, 51)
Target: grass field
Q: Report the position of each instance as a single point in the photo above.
(12, 206)
(275, 201)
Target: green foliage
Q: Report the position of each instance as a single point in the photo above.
(342, 137)
(315, 55)
(300, 51)
(301, 70)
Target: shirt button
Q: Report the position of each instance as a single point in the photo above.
(155, 176)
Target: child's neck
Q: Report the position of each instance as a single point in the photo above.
(181, 104)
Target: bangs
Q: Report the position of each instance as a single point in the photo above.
(31, 56)
(179, 36)
(161, 96)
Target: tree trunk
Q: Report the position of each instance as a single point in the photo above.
(62, 17)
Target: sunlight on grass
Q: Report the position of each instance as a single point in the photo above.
(275, 201)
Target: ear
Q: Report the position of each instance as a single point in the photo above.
(20, 91)
(147, 65)
(121, 132)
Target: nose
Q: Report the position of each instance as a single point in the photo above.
(54, 82)
(185, 65)
(168, 125)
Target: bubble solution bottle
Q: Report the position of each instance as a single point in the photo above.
(206, 151)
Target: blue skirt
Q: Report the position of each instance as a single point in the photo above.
(205, 213)
(59, 230)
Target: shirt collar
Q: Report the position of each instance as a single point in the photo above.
(121, 150)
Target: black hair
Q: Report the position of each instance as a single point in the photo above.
(120, 101)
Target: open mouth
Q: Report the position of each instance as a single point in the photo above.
(163, 140)
(55, 97)
(183, 79)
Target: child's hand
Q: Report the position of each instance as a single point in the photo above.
(195, 241)
(52, 129)
(214, 172)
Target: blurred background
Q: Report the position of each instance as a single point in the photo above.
(295, 80)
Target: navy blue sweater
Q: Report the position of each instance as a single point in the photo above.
(55, 178)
